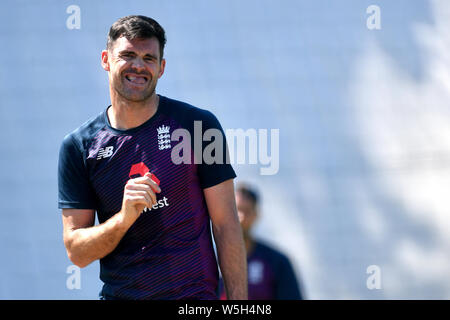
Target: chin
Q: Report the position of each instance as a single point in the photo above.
(136, 96)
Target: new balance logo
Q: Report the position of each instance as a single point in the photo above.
(105, 152)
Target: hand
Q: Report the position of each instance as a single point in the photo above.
(139, 193)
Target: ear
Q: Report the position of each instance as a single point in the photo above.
(163, 66)
(105, 61)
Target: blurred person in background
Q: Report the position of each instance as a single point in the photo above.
(270, 273)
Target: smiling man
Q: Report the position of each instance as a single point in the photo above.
(154, 236)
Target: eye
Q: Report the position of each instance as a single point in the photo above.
(126, 55)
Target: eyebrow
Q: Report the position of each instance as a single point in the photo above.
(132, 52)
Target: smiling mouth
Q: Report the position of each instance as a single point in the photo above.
(136, 79)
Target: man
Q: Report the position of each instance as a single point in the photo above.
(153, 238)
(270, 274)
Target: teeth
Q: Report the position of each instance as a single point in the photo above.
(136, 79)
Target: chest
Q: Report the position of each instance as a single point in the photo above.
(261, 279)
(113, 159)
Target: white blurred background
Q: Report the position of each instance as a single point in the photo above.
(363, 116)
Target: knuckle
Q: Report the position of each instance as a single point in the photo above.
(129, 185)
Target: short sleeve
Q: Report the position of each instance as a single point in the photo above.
(215, 166)
(74, 188)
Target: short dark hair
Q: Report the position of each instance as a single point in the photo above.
(136, 27)
(249, 192)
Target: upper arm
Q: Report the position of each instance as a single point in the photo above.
(221, 203)
(74, 187)
(215, 166)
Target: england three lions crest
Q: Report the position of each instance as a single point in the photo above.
(164, 137)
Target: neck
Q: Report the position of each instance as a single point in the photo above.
(125, 114)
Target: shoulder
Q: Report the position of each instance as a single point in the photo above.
(270, 253)
(81, 136)
(183, 111)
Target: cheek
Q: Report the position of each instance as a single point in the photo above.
(118, 66)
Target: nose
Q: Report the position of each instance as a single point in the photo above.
(138, 64)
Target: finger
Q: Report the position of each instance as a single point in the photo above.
(153, 177)
(143, 196)
(138, 201)
(150, 196)
(142, 187)
(147, 180)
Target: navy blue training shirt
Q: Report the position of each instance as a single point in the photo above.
(167, 253)
(270, 276)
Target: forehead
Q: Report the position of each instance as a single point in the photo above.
(139, 45)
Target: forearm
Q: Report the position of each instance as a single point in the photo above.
(232, 260)
(85, 245)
